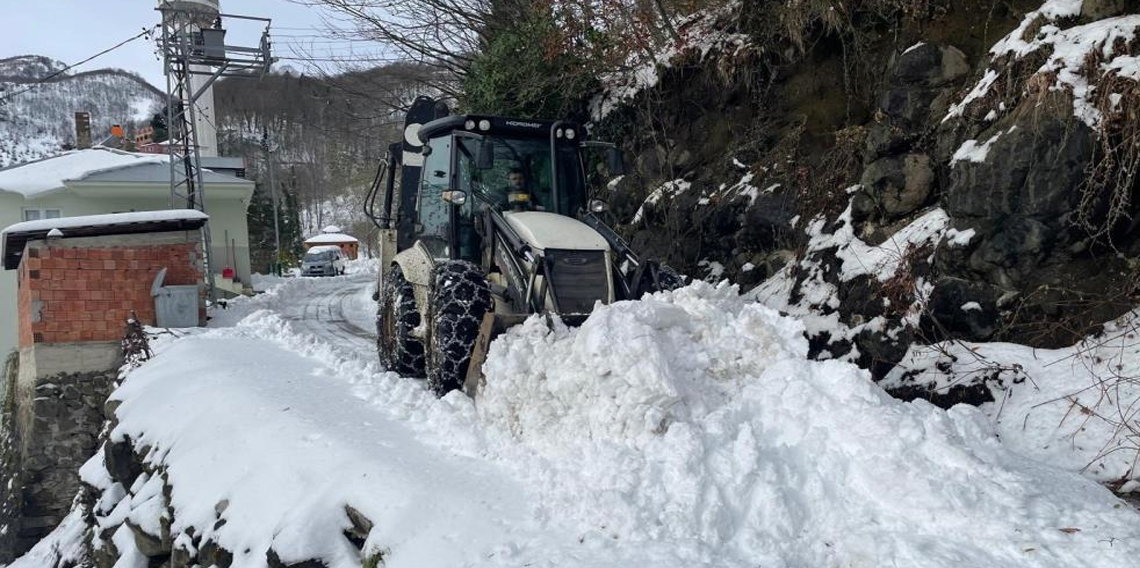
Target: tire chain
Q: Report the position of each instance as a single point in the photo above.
(460, 299)
(401, 353)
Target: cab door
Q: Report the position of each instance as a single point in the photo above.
(433, 214)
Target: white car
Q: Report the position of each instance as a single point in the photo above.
(323, 261)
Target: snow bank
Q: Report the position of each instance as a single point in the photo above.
(695, 418)
(1076, 408)
(685, 430)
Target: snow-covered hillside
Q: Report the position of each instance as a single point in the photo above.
(689, 429)
(37, 123)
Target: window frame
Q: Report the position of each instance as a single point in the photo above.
(42, 212)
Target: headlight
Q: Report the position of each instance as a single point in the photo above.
(570, 134)
(469, 125)
(484, 124)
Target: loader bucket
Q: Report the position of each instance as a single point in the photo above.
(493, 326)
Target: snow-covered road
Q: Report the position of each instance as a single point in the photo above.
(338, 309)
(685, 430)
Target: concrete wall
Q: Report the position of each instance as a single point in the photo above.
(227, 217)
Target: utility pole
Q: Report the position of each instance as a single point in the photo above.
(195, 55)
(271, 165)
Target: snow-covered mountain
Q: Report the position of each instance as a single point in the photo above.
(37, 120)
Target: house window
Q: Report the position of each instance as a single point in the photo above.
(35, 214)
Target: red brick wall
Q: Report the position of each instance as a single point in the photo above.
(87, 294)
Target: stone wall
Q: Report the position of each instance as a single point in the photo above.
(67, 416)
(9, 461)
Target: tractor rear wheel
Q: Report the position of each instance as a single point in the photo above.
(397, 316)
(460, 299)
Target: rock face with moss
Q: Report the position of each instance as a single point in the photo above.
(845, 130)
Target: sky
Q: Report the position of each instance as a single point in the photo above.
(72, 30)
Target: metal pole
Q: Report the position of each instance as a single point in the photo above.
(167, 64)
(271, 165)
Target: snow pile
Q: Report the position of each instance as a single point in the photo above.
(695, 418)
(273, 443)
(1070, 51)
(685, 430)
(1077, 408)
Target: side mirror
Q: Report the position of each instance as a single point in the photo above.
(486, 158)
(615, 162)
(454, 197)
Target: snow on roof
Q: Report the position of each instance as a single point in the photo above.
(65, 223)
(331, 229)
(324, 248)
(14, 238)
(35, 178)
(331, 238)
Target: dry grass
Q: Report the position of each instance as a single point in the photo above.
(1106, 197)
(900, 289)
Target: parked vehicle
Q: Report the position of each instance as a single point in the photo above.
(323, 261)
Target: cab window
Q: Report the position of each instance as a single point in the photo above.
(432, 215)
(522, 165)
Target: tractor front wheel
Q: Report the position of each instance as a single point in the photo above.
(396, 317)
(460, 299)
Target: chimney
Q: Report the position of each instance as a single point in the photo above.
(82, 130)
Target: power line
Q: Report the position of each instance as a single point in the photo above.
(43, 80)
(345, 59)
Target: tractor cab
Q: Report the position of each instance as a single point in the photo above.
(473, 165)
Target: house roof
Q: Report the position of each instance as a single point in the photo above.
(150, 173)
(13, 238)
(330, 238)
(99, 164)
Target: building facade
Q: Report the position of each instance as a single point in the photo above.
(101, 181)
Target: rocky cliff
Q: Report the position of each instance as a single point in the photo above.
(896, 172)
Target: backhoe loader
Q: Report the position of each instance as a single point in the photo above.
(485, 221)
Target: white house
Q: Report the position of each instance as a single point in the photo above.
(102, 180)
